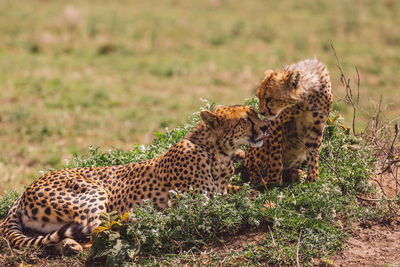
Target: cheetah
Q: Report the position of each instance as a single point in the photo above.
(296, 102)
(62, 207)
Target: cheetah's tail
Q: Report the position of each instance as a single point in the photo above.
(12, 231)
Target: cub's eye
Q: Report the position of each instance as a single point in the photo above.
(253, 113)
(268, 99)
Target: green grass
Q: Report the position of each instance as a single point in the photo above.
(6, 202)
(111, 73)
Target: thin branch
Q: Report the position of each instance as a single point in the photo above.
(368, 199)
(389, 165)
(8, 244)
(272, 236)
(358, 86)
(380, 186)
(354, 113)
(349, 93)
(378, 114)
(297, 250)
(396, 133)
(374, 199)
(395, 176)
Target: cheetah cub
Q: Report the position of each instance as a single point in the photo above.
(296, 102)
(63, 207)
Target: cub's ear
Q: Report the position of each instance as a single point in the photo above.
(209, 118)
(294, 79)
(268, 72)
(218, 107)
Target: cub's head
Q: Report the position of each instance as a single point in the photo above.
(278, 91)
(236, 125)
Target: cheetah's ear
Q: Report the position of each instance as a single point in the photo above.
(218, 107)
(294, 79)
(209, 118)
(268, 72)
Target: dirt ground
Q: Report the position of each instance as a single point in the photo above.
(376, 244)
(371, 245)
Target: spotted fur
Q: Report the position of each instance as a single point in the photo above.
(63, 207)
(296, 102)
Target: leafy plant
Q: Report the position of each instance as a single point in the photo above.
(6, 202)
(190, 222)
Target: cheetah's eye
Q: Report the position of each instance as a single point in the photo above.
(253, 113)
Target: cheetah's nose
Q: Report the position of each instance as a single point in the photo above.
(264, 128)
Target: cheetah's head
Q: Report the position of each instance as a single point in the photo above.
(236, 125)
(278, 91)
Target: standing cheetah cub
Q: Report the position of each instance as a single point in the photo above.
(296, 102)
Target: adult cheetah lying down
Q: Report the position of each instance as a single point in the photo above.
(63, 207)
(296, 102)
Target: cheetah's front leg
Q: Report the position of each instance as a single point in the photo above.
(275, 166)
(255, 164)
(313, 144)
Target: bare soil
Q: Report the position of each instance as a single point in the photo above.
(371, 245)
(374, 244)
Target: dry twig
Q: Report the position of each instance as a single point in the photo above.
(349, 93)
(389, 165)
(297, 250)
(8, 245)
(372, 199)
(272, 236)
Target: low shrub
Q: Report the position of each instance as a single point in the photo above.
(6, 202)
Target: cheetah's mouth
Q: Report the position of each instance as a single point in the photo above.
(257, 142)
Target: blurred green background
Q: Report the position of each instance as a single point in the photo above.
(111, 73)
